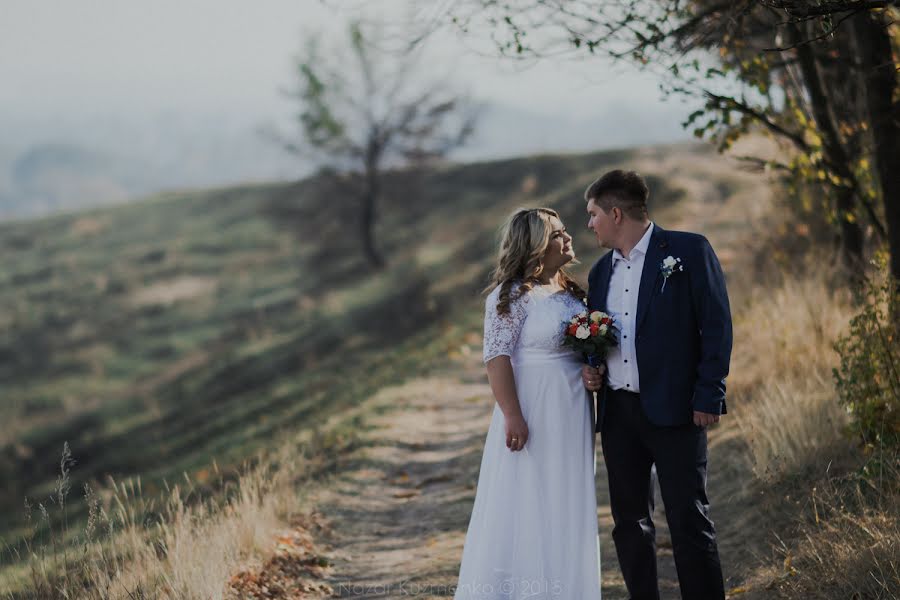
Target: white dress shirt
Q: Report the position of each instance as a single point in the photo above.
(621, 304)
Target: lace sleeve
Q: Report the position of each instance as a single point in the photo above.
(501, 332)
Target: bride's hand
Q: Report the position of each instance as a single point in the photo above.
(516, 433)
(593, 377)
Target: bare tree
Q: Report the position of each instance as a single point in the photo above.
(363, 110)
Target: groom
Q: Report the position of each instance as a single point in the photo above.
(661, 387)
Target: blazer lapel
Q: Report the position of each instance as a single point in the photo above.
(650, 274)
(604, 275)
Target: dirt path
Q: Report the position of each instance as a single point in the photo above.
(398, 509)
(403, 501)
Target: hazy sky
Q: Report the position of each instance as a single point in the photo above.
(170, 94)
(88, 57)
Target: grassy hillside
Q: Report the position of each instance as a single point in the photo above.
(157, 337)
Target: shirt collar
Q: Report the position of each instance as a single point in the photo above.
(640, 248)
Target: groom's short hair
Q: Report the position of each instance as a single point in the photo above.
(625, 189)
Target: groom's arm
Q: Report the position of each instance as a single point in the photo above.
(713, 314)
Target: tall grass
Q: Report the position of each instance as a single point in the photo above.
(838, 535)
(785, 402)
(790, 424)
(848, 542)
(180, 545)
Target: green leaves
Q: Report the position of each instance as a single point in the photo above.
(321, 127)
(868, 378)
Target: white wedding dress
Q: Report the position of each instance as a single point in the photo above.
(533, 530)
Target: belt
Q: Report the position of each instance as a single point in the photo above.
(622, 393)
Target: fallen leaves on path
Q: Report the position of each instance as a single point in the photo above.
(296, 569)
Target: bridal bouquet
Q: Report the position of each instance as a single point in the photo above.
(592, 334)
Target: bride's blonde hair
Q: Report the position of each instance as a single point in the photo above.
(523, 243)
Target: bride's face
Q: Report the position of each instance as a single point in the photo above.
(559, 250)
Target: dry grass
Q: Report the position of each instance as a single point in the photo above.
(791, 423)
(848, 545)
(182, 549)
(785, 402)
(836, 535)
(787, 328)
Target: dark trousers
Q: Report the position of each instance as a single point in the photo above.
(631, 446)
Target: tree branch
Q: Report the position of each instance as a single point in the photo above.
(772, 126)
(808, 41)
(806, 9)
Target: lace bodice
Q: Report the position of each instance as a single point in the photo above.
(534, 323)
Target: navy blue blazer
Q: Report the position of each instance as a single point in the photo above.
(682, 333)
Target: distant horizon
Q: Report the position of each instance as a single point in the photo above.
(175, 96)
(6, 219)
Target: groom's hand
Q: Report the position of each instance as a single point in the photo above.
(702, 419)
(593, 377)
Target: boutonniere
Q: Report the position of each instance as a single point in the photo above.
(669, 265)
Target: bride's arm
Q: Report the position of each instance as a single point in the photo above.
(501, 334)
(503, 385)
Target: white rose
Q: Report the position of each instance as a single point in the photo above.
(596, 316)
(603, 329)
(669, 261)
(582, 333)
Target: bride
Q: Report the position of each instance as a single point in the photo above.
(533, 529)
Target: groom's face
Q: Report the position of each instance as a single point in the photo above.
(559, 249)
(602, 223)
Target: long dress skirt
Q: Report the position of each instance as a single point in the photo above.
(533, 529)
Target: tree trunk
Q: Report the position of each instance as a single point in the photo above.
(371, 191)
(837, 157)
(852, 241)
(877, 64)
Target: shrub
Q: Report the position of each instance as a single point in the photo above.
(867, 380)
